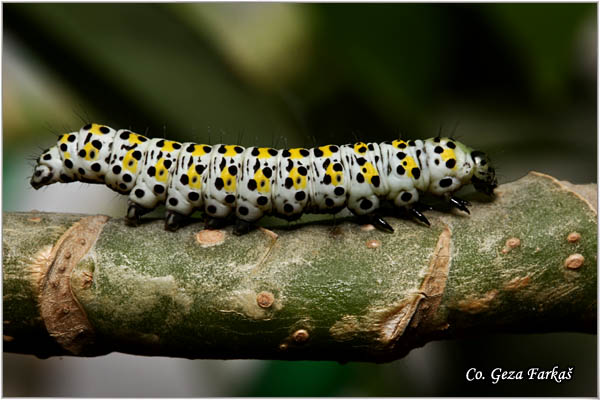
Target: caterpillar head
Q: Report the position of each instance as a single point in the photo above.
(484, 176)
(48, 168)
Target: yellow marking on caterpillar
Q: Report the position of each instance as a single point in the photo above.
(399, 144)
(67, 154)
(263, 152)
(262, 182)
(326, 151)
(230, 150)
(195, 179)
(368, 171)
(135, 138)
(409, 163)
(198, 150)
(296, 153)
(448, 154)
(168, 146)
(95, 130)
(88, 151)
(64, 138)
(337, 177)
(130, 163)
(229, 180)
(299, 180)
(162, 173)
(358, 148)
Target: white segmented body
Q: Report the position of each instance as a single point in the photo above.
(186, 189)
(222, 179)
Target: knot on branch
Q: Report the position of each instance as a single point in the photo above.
(421, 308)
(63, 316)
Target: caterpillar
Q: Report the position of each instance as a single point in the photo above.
(255, 181)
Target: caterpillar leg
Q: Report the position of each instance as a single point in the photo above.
(422, 206)
(365, 208)
(215, 223)
(134, 212)
(459, 203)
(377, 221)
(415, 212)
(174, 220)
(408, 200)
(242, 227)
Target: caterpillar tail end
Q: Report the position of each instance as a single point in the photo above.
(35, 185)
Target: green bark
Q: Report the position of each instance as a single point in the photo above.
(311, 292)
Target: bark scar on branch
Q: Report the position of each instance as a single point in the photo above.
(273, 237)
(422, 306)
(585, 193)
(63, 316)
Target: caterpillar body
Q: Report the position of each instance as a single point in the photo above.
(251, 182)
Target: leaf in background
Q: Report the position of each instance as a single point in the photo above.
(543, 38)
(391, 54)
(151, 62)
(267, 44)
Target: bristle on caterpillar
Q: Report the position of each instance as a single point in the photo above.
(251, 182)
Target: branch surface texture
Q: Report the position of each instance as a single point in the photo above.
(90, 285)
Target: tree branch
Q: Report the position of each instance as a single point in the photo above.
(525, 262)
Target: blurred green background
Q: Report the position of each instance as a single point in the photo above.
(515, 80)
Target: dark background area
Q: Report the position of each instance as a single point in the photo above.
(515, 80)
